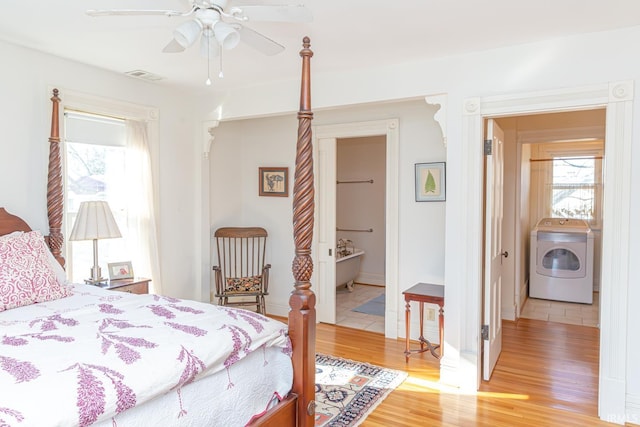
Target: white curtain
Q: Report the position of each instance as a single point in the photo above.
(141, 223)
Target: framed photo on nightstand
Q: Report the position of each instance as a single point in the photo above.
(120, 270)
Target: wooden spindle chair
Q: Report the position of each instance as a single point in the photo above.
(241, 276)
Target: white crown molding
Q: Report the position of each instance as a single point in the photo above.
(621, 91)
(106, 106)
(565, 134)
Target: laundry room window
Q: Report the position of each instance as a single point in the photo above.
(575, 190)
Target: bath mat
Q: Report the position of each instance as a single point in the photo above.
(348, 391)
(374, 306)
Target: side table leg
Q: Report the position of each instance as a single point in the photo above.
(422, 340)
(407, 319)
(441, 318)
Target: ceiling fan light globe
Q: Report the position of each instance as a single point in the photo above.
(187, 33)
(226, 35)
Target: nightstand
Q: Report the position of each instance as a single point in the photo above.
(137, 285)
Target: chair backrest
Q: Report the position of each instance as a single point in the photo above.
(241, 251)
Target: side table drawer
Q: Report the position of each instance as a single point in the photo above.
(136, 288)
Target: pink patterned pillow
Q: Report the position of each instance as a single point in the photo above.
(26, 276)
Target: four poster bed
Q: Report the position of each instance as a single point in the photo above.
(82, 355)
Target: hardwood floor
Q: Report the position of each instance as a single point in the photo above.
(547, 375)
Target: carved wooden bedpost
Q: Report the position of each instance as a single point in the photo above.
(302, 316)
(54, 184)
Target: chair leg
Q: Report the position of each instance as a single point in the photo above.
(263, 308)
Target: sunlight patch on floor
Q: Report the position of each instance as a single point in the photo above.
(418, 384)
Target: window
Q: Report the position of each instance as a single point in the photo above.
(566, 180)
(575, 188)
(109, 159)
(95, 170)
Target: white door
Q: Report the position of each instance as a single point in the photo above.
(493, 253)
(326, 206)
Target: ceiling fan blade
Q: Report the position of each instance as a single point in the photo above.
(138, 12)
(282, 13)
(258, 41)
(173, 47)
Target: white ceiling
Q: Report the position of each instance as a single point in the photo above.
(345, 34)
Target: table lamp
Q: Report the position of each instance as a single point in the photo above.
(94, 221)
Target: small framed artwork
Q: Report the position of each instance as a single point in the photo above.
(120, 270)
(273, 182)
(430, 182)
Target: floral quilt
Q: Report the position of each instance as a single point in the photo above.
(90, 356)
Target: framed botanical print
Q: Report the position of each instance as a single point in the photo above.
(430, 182)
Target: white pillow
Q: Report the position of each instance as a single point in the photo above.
(26, 274)
(61, 275)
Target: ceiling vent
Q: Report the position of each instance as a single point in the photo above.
(144, 75)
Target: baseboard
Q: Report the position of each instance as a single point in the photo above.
(275, 309)
(633, 409)
(508, 313)
(370, 278)
(612, 399)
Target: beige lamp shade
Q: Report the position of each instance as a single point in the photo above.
(94, 221)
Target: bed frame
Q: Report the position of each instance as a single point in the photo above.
(298, 408)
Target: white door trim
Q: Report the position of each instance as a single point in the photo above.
(617, 97)
(371, 128)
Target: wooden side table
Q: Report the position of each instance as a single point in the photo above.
(433, 294)
(137, 285)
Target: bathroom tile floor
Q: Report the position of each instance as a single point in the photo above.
(563, 312)
(346, 301)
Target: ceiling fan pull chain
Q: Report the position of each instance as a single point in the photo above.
(208, 82)
(221, 74)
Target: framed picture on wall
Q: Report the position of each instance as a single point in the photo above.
(273, 182)
(430, 182)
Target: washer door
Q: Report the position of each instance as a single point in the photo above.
(561, 255)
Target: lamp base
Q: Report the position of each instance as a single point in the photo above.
(96, 276)
(98, 282)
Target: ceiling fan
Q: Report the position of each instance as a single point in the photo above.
(219, 26)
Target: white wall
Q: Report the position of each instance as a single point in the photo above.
(28, 77)
(242, 146)
(569, 62)
(239, 149)
(361, 206)
(522, 279)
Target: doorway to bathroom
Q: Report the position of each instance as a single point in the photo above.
(360, 232)
(325, 232)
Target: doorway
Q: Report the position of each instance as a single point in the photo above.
(617, 98)
(325, 147)
(555, 161)
(360, 232)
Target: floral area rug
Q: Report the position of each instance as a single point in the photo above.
(347, 391)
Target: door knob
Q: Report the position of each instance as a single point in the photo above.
(504, 254)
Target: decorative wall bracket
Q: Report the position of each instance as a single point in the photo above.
(209, 137)
(441, 115)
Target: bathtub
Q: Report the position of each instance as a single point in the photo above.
(347, 268)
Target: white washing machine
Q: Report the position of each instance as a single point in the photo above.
(561, 260)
